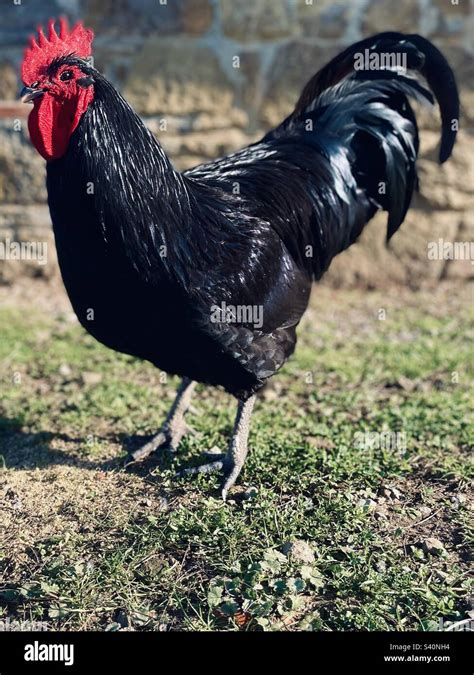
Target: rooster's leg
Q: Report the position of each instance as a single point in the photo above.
(174, 427)
(231, 464)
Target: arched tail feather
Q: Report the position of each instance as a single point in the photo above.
(421, 57)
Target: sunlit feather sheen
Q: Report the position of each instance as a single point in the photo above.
(299, 191)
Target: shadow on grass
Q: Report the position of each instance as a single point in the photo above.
(20, 450)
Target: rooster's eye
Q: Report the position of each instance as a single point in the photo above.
(66, 75)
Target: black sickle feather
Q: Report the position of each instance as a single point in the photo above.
(441, 80)
(422, 57)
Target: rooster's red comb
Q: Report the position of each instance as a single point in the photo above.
(40, 53)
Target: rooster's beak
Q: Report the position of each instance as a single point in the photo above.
(28, 94)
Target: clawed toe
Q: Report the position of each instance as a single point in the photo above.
(161, 440)
(167, 439)
(220, 463)
(210, 467)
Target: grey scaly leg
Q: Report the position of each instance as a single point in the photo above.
(233, 461)
(174, 427)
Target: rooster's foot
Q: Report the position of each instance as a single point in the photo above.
(173, 429)
(230, 471)
(167, 439)
(210, 467)
(230, 464)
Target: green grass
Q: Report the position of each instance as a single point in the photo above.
(87, 545)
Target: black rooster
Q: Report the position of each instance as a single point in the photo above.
(207, 273)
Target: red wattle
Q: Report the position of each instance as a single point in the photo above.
(52, 121)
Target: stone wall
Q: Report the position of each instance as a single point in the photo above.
(209, 76)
